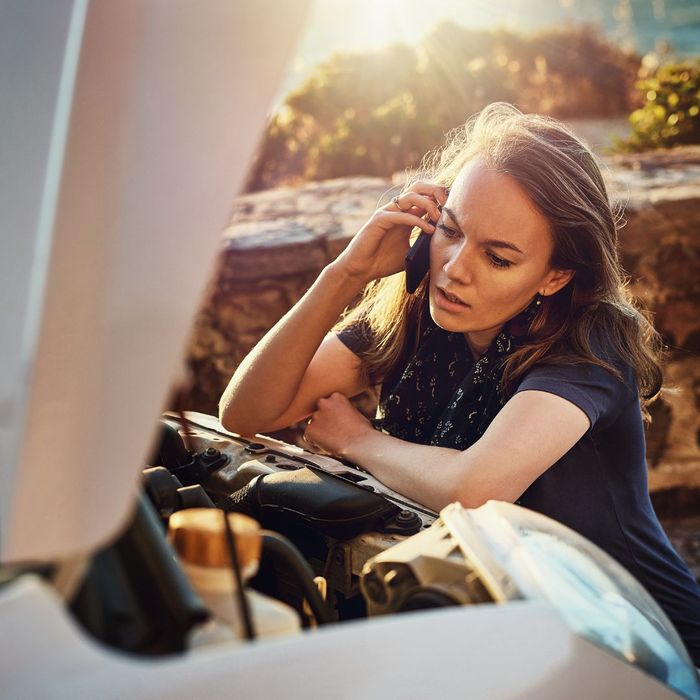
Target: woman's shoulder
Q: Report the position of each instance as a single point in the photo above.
(601, 388)
(602, 349)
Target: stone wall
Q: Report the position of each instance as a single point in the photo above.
(279, 241)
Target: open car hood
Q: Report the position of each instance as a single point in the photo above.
(127, 129)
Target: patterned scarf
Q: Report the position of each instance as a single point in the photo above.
(443, 397)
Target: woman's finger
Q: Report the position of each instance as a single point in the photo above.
(414, 203)
(306, 436)
(388, 219)
(311, 443)
(437, 192)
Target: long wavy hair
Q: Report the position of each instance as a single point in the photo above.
(564, 181)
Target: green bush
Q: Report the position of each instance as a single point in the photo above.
(377, 113)
(670, 111)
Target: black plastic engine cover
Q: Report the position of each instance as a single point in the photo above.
(319, 500)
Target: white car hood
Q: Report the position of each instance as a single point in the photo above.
(127, 130)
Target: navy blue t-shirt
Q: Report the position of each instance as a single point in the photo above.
(599, 487)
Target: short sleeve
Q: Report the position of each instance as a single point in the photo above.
(357, 336)
(596, 391)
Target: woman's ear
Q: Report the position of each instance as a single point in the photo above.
(556, 279)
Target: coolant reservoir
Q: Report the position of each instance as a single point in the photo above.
(198, 536)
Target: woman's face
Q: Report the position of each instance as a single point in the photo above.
(489, 255)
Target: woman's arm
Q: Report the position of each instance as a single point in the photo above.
(265, 392)
(529, 434)
(281, 379)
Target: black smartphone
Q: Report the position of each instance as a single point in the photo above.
(417, 262)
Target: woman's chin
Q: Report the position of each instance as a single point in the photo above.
(447, 321)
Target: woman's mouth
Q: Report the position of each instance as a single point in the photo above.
(448, 301)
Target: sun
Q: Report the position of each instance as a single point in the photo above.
(361, 25)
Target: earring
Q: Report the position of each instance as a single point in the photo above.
(532, 310)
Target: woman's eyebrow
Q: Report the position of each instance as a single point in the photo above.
(493, 242)
(452, 216)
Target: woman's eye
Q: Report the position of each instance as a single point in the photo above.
(449, 232)
(498, 262)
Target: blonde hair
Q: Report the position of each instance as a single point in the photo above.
(565, 183)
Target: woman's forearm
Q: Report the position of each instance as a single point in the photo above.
(265, 383)
(531, 432)
(411, 469)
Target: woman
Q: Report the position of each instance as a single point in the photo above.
(520, 370)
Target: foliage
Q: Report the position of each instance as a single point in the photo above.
(670, 111)
(378, 113)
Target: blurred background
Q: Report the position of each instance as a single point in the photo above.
(375, 84)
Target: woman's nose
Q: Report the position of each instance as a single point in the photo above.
(458, 266)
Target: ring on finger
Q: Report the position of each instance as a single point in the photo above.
(395, 200)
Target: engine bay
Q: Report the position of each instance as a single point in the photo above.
(337, 545)
(334, 514)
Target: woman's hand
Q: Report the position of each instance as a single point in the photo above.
(379, 248)
(335, 425)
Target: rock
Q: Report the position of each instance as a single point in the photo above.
(683, 378)
(677, 319)
(253, 312)
(264, 250)
(657, 432)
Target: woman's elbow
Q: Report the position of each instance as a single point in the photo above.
(234, 423)
(470, 494)
(226, 422)
(476, 497)
(243, 422)
(467, 499)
